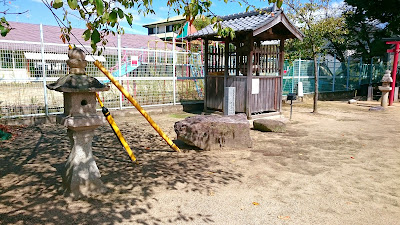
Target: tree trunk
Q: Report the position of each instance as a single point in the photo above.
(315, 107)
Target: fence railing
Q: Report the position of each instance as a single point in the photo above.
(153, 77)
(333, 75)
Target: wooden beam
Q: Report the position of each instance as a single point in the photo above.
(292, 28)
(205, 72)
(267, 26)
(265, 31)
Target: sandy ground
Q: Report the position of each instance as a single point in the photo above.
(341, 166)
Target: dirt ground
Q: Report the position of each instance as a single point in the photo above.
(341, 166)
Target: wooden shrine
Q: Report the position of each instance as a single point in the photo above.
(254, 68)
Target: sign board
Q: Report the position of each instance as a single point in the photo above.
(300, 89)
(229, 101)
(255, 86)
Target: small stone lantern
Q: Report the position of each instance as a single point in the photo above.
(385, 88)
(81, 177)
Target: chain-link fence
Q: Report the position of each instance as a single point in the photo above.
(333, 75)
(152, 77)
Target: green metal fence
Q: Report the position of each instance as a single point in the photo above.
(333, 75)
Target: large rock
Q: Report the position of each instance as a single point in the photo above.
(269, 125)
(215, 132)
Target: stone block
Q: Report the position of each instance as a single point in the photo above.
(268, 125)
(377, 108)
(211, 132)
(352, 101)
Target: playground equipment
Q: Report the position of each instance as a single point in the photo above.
(196, 71)
(126, 67)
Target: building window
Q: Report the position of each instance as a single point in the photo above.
(169, 28)
(6, 60)
(151, 30)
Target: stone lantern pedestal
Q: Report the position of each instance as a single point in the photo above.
(81, 177)
(385, 88)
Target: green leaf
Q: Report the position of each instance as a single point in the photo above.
(86, 35)
(129, 19)
(99, 7)
(82, 13)
(4, 30)
(279, 3)
(95, 36)
(57, 4)
(113, 17)
(120, 13)
(94, 47)
(73, 4)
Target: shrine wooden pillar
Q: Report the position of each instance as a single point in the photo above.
(281, 63)
(249, 74)
(205, 72)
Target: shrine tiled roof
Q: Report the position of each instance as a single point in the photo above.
(246, 21)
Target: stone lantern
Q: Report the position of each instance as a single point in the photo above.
(81, 177)
(385, 88)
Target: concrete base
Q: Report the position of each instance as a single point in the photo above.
(82, 177)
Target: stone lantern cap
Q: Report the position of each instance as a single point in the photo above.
(78, 83)
(387, 78)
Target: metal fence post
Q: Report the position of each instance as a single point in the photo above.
(46, 106)
(348, 73)
(318, 70)
(298, 81)
(119, 68)
(292, 77)
(334, 73)
(359, 76)
(370, 71)
(174, 68)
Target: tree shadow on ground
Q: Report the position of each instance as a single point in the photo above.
(31, 185)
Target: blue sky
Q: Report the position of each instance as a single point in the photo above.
(38, 13)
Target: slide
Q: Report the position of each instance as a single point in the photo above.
(126, 67)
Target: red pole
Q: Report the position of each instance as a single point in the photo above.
(394, 72)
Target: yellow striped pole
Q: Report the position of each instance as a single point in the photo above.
(115, 128)
(136, 104)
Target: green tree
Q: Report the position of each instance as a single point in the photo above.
(384, 12)
(366, 33)
(317, 25)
